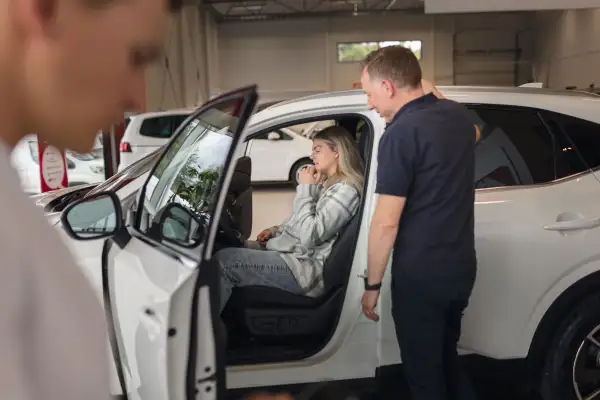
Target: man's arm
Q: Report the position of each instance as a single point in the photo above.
(395, 174)
(382, 235)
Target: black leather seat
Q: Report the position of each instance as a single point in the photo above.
(265, 311)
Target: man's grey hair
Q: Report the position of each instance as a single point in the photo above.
(397, 64)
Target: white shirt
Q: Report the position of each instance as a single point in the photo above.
(53, 342)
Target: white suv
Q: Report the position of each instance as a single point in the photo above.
(536, 299)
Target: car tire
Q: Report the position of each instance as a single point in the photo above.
(297, 167)
(570, 345)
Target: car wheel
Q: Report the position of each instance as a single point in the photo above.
(296, 169)
(572, 365)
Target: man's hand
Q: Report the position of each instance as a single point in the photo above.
(369, 302)
(429, 87)
(264, 236)
(309, 175)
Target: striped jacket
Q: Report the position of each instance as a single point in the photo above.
(306, 237)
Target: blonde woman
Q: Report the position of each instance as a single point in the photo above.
(291, 256)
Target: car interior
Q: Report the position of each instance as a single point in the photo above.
(270, 325)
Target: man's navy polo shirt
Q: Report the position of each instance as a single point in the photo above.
(427, 156)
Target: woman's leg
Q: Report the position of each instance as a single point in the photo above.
(249, 267)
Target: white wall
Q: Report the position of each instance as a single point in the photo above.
(568, 48)
(295, 57)
(185, 81)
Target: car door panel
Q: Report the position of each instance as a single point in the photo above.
(157, 296)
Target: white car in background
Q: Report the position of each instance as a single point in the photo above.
(536, 301)
(81, 168)
(276, 156)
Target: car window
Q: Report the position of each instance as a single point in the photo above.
(282, 135)
(33, 150)
(516, 148)
(189, 172)
(581, 140)
(129, 174)
(161, 127)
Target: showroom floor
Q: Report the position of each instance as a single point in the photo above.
(272, 204)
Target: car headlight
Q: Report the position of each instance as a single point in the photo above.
(97, 169)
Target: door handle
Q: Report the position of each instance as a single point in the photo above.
(573, 225)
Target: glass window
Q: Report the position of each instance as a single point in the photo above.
(161, 127)
(189, 171)
(33, 150)
(515, 148)
(129, 174)
(356, 52)
(581, 140)
(277, 134)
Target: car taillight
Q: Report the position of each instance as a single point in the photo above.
(125, 147)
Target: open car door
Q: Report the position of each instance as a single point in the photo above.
(160, 289)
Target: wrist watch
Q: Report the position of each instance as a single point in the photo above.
(375, 286)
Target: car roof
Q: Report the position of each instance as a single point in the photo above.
(575, 103)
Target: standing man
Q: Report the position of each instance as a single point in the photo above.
(67, 69)
(425, 183)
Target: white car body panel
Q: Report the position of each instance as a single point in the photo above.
(272, 160)
(522, 266)
(143, 145)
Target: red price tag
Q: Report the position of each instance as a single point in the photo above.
(53, 167)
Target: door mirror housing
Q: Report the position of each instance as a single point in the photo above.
(273, 136)
(95, 217)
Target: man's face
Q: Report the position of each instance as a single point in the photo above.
(84, 67)
(380, 95)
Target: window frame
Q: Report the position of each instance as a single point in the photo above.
(138, 214)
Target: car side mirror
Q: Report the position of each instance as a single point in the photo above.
(273, 136)
(95, 217)
(177, 224)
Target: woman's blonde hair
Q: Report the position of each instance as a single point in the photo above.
(351, 168)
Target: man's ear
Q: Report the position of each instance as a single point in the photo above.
(389, 88)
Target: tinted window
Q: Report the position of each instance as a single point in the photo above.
(516, 148)
(189, 171)
(161, 127)
(581, 140)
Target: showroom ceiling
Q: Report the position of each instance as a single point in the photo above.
(259, 10)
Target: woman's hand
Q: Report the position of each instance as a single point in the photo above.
(264, 236)
(309, 175)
